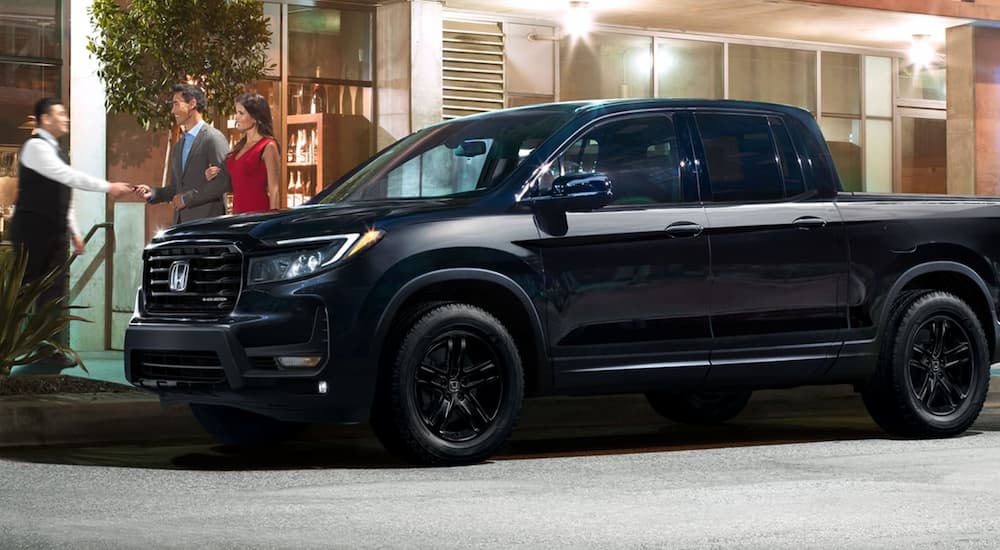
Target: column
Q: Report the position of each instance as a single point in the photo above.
(973, 110)
(87, 147)
(408, 67)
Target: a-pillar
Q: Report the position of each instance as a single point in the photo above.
(408, 67)
(973, 57)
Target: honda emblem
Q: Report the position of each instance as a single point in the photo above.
(179, 276)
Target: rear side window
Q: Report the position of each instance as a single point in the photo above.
(741, 159)
(791, 164)
(814, 158)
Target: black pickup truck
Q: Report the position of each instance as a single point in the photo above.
(692, 251)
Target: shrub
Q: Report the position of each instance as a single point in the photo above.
(27, 329)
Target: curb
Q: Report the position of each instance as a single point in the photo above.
(92, 418)
(132, 417)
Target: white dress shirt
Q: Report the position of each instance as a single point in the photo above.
(42, 156)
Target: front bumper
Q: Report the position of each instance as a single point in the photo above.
(208, 364)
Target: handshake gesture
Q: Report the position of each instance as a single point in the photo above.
(119, 189)
(145, 192)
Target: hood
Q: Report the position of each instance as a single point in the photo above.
(304, 221)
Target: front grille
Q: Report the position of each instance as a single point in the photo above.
(213, 279)
(180, 366)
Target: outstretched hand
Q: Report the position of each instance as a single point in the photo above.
(143, 191)
(119, 189)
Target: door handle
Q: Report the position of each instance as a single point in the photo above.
(809, 222)
(684, 229)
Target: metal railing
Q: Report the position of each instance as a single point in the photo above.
(108, 254)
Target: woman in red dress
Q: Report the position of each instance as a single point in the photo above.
(253, 164)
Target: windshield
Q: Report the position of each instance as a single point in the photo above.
(462, 157)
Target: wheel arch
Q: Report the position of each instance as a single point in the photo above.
(494, 292)
(953, 277)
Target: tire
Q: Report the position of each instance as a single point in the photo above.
(933, 368)
(702, 408)
(453, 394)
(242, 428)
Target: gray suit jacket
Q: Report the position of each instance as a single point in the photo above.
(202, 199)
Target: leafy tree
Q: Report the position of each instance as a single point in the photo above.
(144, 47)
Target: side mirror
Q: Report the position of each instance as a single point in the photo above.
(471, 148)
(577, 192)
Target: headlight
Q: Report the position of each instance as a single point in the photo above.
(299, 263)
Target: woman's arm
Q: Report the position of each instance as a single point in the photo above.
(273, 166)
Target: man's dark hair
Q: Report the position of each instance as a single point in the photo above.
(189, 92)
(44, 107)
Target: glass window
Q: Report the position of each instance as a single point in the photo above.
(638, 154)
(468, 155)
(878, 156)
(21, 85)
(778, 75)
(606, 66)
(924, 160)
(689, 68)
(878, 86)
(843, 137)
(30, 29)
(791, 168)
(740, 158)
(329, 43)
(841, 81)
(922, 82)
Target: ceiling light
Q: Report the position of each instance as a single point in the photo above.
(578, 21)
(921, 51)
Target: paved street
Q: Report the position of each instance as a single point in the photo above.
(814, 475)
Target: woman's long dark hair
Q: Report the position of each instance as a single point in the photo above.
(258, 109)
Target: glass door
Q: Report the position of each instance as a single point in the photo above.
(922, 155)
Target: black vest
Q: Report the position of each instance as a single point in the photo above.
(41, 196)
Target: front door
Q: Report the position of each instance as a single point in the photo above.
(627, 284)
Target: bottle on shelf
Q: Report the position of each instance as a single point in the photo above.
(295, 106)
(288, 191)
(292, 147)
(346, 104)
(318, 104)
(312, 146)
(298, 188)
(302, 155)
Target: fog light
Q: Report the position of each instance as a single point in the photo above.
(321, 387)
(306, 362)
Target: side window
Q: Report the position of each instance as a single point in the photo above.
(741, 158)
(791, 165)
(638, 154)
(814, 159)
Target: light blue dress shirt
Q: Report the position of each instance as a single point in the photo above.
(189, 141)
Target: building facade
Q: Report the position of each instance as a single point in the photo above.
(906, 92)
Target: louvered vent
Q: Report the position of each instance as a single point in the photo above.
(473, 68)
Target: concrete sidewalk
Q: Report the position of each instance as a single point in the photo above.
(136, 416)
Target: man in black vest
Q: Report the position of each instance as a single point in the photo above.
(43, 222)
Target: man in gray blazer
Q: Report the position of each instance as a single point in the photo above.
(200, 146)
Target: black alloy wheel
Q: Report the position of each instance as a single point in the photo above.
(940, 366)
(458, 386)
(453, 394)
(933, 371)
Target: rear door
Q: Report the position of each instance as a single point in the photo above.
(779, 254)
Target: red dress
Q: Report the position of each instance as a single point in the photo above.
(249, 177)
